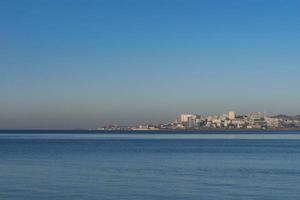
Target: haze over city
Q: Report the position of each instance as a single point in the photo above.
(81, 64)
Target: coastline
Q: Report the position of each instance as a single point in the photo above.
(160, 131)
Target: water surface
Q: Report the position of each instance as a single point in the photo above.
(149, 166)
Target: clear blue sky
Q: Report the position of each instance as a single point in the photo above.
(68, 63)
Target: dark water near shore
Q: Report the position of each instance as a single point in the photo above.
(182, 166)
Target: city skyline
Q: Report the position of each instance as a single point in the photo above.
(225, 121)
(85, 64)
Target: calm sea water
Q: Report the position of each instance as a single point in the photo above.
(214, 166)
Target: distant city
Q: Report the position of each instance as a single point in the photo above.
(230, 120)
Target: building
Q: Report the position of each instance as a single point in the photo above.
(187, 117)
(190, 120)
(231, 115)
(272, 122)
(238, 123)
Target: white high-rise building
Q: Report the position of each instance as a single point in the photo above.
(187, 117)
(231, 115)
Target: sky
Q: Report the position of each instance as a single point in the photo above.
(85, 64)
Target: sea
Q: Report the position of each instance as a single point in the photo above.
(160, 165)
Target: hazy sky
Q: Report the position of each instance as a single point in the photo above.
(69, 64)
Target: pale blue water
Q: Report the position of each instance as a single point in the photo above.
(85, 166)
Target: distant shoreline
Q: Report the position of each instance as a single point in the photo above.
(146, 131)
